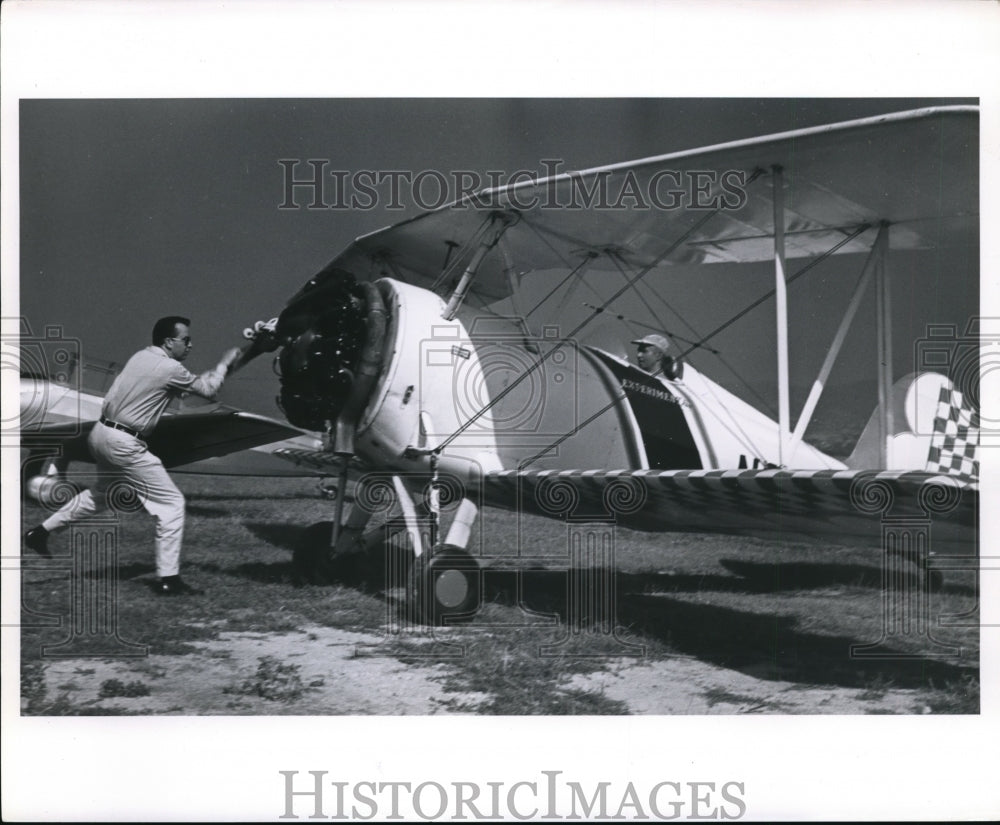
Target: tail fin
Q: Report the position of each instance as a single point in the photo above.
(934, 430)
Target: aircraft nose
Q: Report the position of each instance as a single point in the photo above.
(325, 334)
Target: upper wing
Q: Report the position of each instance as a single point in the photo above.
(178, 439)
(824, 507)
(917, 170)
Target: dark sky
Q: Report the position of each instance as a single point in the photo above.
(133, 209)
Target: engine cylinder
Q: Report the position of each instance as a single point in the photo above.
(324, 330)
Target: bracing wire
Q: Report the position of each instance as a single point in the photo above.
(752, 306)
(537, 364)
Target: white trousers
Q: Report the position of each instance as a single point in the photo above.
(122, 457)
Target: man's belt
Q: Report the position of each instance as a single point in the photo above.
(114, 425)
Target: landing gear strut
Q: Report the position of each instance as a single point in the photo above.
(443, 584)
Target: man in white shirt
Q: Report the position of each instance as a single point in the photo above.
(138, 397)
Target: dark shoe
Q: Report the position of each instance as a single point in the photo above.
(37, 539)
(174, 586)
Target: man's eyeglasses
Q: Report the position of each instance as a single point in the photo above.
(186, 339)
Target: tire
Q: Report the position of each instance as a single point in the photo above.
(445, 586)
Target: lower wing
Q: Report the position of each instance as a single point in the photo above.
(816, 506)
(177, 440)
(905, 509)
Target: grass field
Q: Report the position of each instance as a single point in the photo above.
(699, 624)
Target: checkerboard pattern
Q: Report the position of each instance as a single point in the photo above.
(807, 506)
(955, 441)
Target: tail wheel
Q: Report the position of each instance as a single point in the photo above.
(445, 586)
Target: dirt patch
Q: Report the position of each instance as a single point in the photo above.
(315, 671)
(688, 686)
(328, 672)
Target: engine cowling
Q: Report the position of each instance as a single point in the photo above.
(355, 362)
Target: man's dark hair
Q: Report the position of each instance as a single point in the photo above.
(164, 328)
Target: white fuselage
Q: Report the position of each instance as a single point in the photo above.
(499, 399)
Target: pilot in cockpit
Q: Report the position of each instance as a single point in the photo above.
(652, 356)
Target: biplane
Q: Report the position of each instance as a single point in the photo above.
(420, 357)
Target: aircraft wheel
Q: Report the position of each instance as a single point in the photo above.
(445, 586)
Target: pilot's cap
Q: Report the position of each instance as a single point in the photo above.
(654, 340)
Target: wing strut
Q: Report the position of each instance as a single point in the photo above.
(485, 245)
(870, 266)
(883, 315)
(781, 306)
